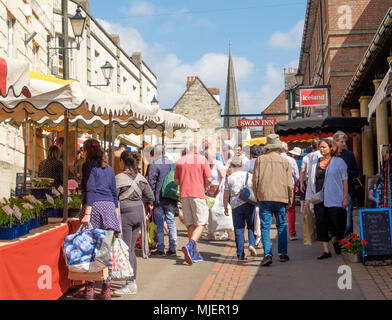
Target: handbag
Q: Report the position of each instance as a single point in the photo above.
(88, 250)
(121, 267)
(309, 227)
(219, 221)
(246, 193)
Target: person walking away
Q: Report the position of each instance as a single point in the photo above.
(329, 176)
(132, 190)
(352, 169)
(52, 167)
(243, 212)
(273, 188)
(193, 175)
(291, 208)
(164, 208)
(303, 175)
(218, 174)
(255, 152)
(99, 204)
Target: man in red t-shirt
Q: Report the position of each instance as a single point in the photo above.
(193, 175)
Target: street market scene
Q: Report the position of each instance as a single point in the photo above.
(159, 152)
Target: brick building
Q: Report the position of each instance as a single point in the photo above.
(276, 106)
(347, 27)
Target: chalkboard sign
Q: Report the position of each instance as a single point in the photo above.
(376, 231)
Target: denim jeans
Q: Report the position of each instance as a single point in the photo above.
(267, 210)
(350, 223)
(242, 214)
(161, 214)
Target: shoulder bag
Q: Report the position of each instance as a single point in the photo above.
(246, 193)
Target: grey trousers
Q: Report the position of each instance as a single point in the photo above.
(131, 222)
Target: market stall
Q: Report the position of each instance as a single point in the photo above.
(306, 129)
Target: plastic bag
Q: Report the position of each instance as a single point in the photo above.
(88, 250)
(121, 267)
(152, 231)
(219, 221)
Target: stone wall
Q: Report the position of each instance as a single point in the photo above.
(198, 104)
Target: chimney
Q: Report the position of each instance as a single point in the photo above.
(137, 59)
(189, 81)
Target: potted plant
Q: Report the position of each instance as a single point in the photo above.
(41, 186)
(74, 206)
(8, 229)
(353, 246)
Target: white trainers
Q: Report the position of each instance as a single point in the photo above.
(127, 289)
(292, 238)
(252, 251)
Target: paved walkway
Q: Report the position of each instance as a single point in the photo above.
(221, 277)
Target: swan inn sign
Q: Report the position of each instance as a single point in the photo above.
(256, 122)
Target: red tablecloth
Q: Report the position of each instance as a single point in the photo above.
(34, 268)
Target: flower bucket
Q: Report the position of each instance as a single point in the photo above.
(353, 257)
(43, 219)
(9, 233)
(40, 193)
(23, 228)
(52, 213)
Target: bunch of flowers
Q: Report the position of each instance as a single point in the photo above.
(353, 244)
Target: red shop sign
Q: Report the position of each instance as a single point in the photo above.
(256, 122)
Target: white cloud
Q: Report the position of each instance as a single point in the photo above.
(255, 102)
(288, 40)
(142, 8)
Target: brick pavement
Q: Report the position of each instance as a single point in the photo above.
(227, 279)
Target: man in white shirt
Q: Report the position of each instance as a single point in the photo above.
(295, 172)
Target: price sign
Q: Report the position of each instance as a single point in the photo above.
(17, 213)
(7, 209)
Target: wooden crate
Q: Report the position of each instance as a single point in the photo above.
(89, 276)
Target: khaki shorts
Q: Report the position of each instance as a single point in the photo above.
(195, 211)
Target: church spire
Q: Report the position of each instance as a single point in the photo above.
(231, 101)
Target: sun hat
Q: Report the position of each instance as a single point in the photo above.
(273, 142)
(296, 151)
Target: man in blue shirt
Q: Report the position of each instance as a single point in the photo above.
(352, 170)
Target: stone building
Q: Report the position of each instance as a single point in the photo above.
(199, 103)
(345, 28)
(19, 19)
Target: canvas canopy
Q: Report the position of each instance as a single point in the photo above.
(37, 95)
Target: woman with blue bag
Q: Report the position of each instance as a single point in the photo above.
(99, 205)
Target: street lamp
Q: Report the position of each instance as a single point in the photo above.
(107, 71)
(78, 22)
(299, 78)
(154, 102)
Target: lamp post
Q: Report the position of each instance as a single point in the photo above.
(77, 22)
(299, 79)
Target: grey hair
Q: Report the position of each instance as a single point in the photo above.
(159, 150)
(284, 147)
(193, 146)
(338, 135)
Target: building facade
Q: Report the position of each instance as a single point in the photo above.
(336, 35)
(199, 103)
(19, 19)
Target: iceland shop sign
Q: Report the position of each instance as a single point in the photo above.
(256, 122)
(314, 97)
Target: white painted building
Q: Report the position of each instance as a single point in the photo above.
(19, 19)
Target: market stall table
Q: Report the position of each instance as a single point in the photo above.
(33, 267)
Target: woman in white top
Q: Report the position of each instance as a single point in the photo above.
(218, 173)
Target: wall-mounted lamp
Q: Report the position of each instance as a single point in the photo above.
(107, 70)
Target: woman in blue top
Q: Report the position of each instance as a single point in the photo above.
(99, 203)
(329, 172)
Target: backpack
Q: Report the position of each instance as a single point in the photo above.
(170, 190)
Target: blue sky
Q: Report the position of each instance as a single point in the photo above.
(180, 38)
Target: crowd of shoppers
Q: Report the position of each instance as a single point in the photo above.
(322, 177)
